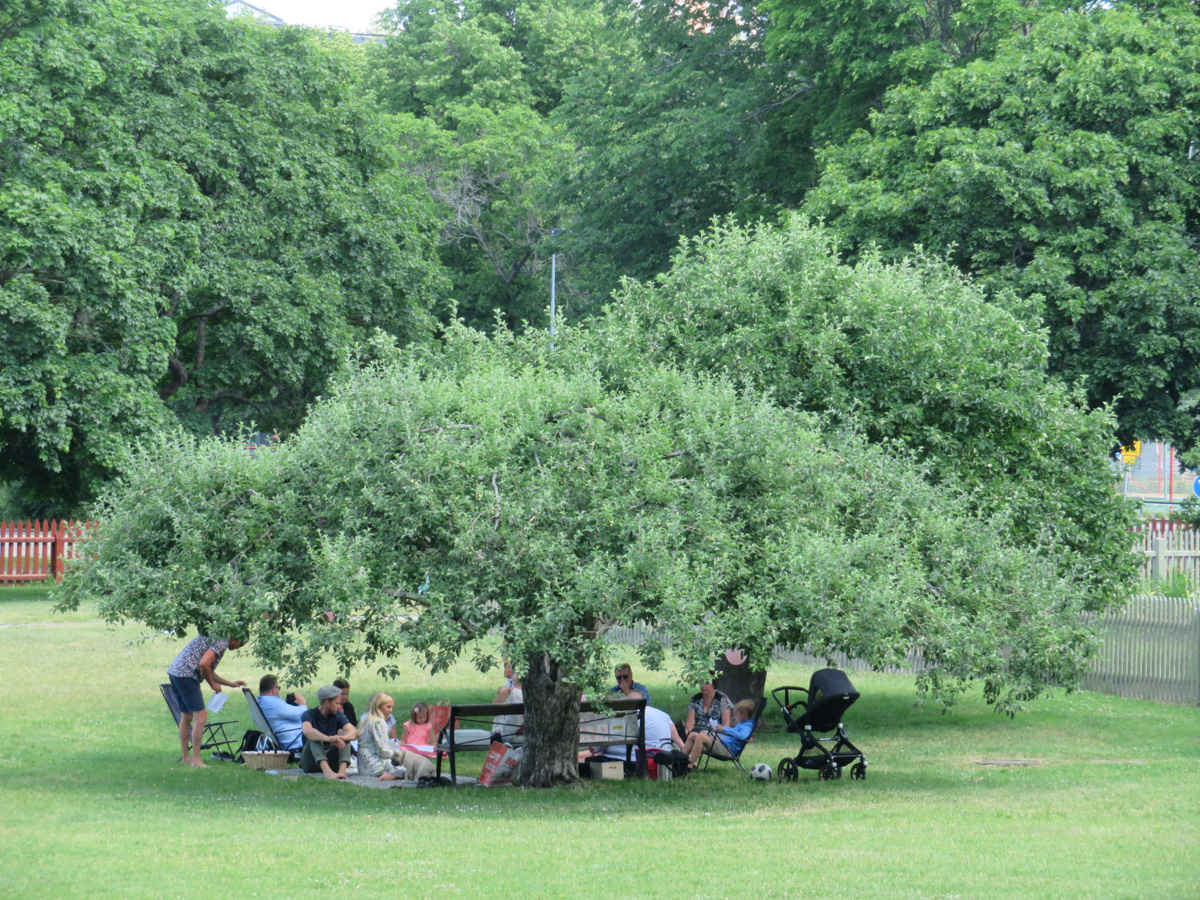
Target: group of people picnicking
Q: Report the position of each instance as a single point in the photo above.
(331, 740)
(712, 723)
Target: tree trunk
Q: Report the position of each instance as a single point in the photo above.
(741, 682)
(551, 726)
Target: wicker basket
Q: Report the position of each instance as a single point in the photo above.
(268, 759)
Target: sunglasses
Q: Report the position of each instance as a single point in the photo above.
(624, 676)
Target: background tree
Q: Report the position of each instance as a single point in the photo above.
(706, 110)
(1064, 170)
(474, 84)
(848, 53)
(672, 129)
(197, 218)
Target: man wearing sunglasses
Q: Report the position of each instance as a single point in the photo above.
(626, 685)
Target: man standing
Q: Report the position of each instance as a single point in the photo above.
(626, 685)
(283, 717)
(197, 660)
(327, 735)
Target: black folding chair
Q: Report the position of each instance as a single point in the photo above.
(736, 758)
(214, 732)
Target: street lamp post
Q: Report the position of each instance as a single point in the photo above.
(553, 285)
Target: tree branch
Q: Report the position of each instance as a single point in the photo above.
(179, 378)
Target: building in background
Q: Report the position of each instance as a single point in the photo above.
(235, 8)
(1150, 471)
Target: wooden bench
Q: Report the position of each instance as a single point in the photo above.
(476, 733)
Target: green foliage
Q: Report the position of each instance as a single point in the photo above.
(705, 111)
(435, 497)
(912, 355)
(1061, 170)
(473, 85)
(491, 176)
(1176, 584)
(849, 52)
(197, 218)
(672, 129)
(480, 53)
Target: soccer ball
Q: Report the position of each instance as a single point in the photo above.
(760, 772)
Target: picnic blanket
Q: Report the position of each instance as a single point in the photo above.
(370, 781)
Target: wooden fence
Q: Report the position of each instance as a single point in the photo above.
(1170, 547)
(1151, 651)
(37, 551)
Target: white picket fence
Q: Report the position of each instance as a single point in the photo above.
(1151, 651)
(1170, 547)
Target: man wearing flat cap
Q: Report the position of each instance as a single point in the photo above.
(327, 735)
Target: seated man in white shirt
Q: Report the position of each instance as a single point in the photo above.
(661, 734)
(283, 716)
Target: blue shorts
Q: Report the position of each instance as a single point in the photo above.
(187, 694)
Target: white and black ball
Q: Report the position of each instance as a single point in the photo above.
(760, 772)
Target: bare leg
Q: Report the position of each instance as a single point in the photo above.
(198, 721)
(328, 772)
(696, 743)
(185, 733)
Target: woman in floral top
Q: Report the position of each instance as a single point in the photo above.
(376, 753)
(708, 709)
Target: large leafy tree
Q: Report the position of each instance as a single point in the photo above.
(1064, 170)
(495, 486)
(708, 109)
(197, 218)
(912, 355)
(848, 53)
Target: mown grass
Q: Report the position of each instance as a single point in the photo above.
(95, 804)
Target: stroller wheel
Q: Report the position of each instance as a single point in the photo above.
(858, 772)
(788, 770)
(830, 771)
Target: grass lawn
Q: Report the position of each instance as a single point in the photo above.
(94, 803)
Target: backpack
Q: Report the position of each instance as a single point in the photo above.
(251, 740)
(676, 761)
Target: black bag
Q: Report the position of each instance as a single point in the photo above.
(677, 760)
(250, 742)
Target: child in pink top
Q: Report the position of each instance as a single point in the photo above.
(417, 734)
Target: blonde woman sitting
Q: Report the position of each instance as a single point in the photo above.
(377, 755)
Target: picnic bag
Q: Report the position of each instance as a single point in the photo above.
(439, 715)
(500, 765)
(251, 741)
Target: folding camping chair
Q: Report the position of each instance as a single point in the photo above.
(736, 758)
(264, 725)
(214, 732)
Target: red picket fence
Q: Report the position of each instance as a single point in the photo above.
(37, 551)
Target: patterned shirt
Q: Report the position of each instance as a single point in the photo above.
(187, 663)
(712, 716)
(374, 747)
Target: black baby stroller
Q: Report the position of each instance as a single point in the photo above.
(829, 694)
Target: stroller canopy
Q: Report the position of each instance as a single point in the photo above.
(830, 694)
